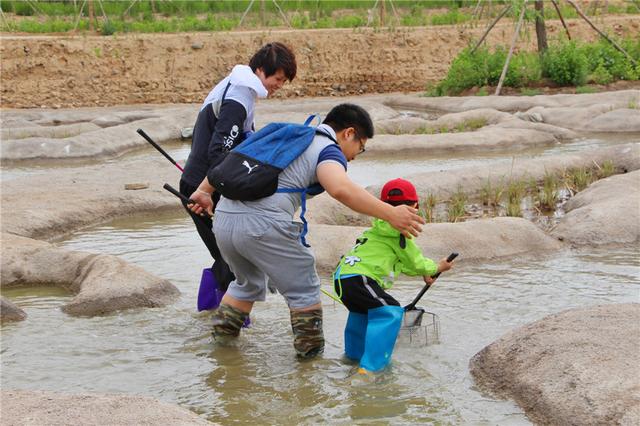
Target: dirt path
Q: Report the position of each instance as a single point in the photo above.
(74, 71)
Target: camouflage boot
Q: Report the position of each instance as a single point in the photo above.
(308, 339)
(227, 321)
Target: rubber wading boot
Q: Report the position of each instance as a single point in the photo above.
(227, 321)
(383, 327)
(354, 335)
(308, 339)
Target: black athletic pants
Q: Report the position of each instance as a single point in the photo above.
(204, 226)
(361, 293)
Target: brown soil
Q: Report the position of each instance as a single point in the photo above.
(73, 71)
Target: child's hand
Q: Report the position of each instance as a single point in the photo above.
(443, 265)
(428, 280)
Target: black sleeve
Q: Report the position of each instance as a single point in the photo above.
(228, 131)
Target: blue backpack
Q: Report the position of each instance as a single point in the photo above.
(250, 171)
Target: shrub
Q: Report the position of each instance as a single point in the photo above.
(605, 56)
(601, 75)
(565, 64)
(494, 65)
(524, 70)
(107, 29)
(467, 70)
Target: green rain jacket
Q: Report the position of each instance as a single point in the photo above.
(378, 254)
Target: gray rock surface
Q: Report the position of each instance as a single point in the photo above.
(55, 132)
(618, 99)
(618, 120)
(37, 408)
(490, 138)
(100, 135)
(607, 111)
(607, 212)
(577, 367)
(10, 312)
(102, 283)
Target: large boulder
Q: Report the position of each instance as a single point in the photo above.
(10, 312)
(577, 367)
(21, 407)
(102, 283)
(607, 212)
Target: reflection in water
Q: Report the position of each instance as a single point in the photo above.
(168, 352)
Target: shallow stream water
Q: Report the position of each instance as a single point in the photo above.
(168, 353)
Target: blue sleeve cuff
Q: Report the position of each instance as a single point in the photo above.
(333, 153)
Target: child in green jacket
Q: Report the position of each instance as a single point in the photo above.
(380, 255)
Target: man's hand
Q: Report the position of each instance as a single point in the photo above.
(406, 220)
(203, 202)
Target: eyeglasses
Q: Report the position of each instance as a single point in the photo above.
(362, 147)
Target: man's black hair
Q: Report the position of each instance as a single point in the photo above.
(349, 115)
(274, 56)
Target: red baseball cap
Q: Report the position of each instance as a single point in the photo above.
(399, 190)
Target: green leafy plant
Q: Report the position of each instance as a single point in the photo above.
(565, 64)
(107, 29)
(601, 75)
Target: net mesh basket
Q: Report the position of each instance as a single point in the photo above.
(420, 327)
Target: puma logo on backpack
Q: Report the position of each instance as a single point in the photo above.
(248, 166)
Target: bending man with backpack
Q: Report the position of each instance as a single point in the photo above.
(225, 119)
(260, 241)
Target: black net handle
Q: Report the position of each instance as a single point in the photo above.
(411, 306)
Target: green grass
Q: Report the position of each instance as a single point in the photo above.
(464, 126)
(428, 208)
(456, 209)
(585, 89)
(606, 169)
(548, 197)
(209, 15)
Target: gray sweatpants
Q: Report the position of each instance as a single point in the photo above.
(258, 247)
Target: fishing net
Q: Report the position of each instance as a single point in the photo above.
(420, 328)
